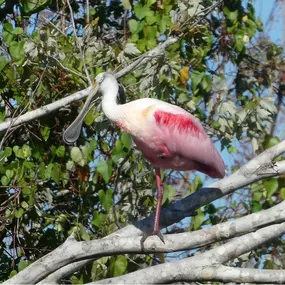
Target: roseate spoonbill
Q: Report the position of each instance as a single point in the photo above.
(168, 136)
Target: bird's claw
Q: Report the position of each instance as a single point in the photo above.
(159, 234)
(146, 235)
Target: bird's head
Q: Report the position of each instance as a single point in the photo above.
(106, 80)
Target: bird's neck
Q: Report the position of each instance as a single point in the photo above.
(109, 102)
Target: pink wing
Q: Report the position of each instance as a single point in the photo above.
(177, 140)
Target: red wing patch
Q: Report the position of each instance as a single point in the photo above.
(182, 122)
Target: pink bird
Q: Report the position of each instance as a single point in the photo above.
(168, 136)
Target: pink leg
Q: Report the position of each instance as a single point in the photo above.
(156, 230)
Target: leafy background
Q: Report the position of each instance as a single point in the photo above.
(223, 70)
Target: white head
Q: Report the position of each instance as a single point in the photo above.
(106, 82)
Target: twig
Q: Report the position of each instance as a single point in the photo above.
(78, 43)
(87, 12)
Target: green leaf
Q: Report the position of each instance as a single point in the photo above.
(7, 33)
(5, 180)
(206, 83)
(239, 40)
(151, 43)
(142, 11)
(126, 140)
(76, 156)
(150, 32)
(257, 196)
(168, 193)
(48, 170)
(9, 173)
(90, 117)
(271, 141)
(150, 2)
(105, 169)
(150, 18)
(25, 205)
(118, 152)
(271, 186)
(27, 152)
(255, 206)
(22, 265)
(17, 31)
(133, 25)
(231, 15)
(45, 132)
(17, 50)
(56, 173)
(32, 6)
(106, 199)
(99, 218)
(20, 173)
(120, 265)
(29, 164)
(3, 62)
(19, 213)
(84, 235)
(196, 77)
(13, 273)
(128, 79)
(7, 151)
(282, 192)
(126, 4)
(197, 221)
(164, 22)
(60, 151)
(92, 145)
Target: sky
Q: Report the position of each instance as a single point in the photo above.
(270, 11)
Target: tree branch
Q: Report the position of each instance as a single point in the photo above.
(64, 271)
(76, 253)
(230, 274)
(198, 267)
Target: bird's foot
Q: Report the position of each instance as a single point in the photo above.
(146, 235)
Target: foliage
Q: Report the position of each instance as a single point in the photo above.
(220, 71)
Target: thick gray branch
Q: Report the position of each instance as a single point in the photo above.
(240, 275)
(72, 251)
(195, 239)
(238, 246)
(42, 111)
(65, 271)
(195, 268)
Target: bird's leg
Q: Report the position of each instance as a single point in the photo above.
(156, 230)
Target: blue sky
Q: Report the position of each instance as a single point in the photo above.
(272, 25)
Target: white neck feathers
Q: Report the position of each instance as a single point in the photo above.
(109, 89)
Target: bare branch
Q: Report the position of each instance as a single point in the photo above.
(245, 243)
(47, 109)
(72, 251)
(63, 272)
(230, 274)
(195, 268)
(78, 43)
